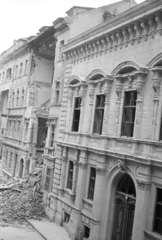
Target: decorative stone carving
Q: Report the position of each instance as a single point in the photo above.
(91, 92)
(156, 80)
(144, 185)
(121, 165)
(118, 89)
(83, 165)
(100, 171)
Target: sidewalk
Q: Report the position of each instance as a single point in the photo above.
(49, 230)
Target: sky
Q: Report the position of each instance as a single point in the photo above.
(23, 18)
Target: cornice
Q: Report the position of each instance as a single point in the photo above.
(123, 20)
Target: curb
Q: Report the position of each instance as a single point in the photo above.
(36, 229)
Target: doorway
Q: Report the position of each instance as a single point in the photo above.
(125, 199)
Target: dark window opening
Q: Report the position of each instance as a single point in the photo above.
(99, 114)
(47, 180)
(66, 217)
(158, 212)
(86, 232)
(160, 138)
(92, 183)
(52, 135)
(129, 112)
(126, 185)
(70, 175)
(76, 117)
(42, 132)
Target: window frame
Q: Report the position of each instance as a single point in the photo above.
(75, 109)
(96, 109)
(123, 114)
(69, 184)
(155, 212)
(49, 177)
(90, 194)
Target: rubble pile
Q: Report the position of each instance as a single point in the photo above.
(22, 199)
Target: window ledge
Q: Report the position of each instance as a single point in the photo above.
(87, 201)
(153, 235)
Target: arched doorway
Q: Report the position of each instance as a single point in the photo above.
(125, 199)
(21, 168)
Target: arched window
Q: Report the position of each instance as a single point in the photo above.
(126, 186)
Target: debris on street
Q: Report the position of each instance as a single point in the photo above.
(22, 199)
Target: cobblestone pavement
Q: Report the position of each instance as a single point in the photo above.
(18, 233)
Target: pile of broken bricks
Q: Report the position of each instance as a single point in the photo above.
(22, 199)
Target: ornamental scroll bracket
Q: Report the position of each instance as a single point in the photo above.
(140, 80)
(118, 87)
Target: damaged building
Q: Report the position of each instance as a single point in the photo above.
(102, 159)
(26, 72)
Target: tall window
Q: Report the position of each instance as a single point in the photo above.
(57, 92)
(26, 131)
(9, 74)
(13, 98)
(76, 116)
(99, 114)
(16, 71)
(52, 135)
(21, 68)
(70, 175)
(129, 112)
(47, 179)
(17, 99)
(3, 78)
(6, 157)
(92, 183)
(26, 66)
(10, 161)
(22, 98)
(158, 212)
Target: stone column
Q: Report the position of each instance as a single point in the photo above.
(99, 192)
(91, 95)
(140, 80)
(141, 209)
(107, 88)
(82, 112)
(156, 87)
(118, 103)
(80, 190)
(63, 169)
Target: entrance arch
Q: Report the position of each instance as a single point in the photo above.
(21, 168)
(125, 200)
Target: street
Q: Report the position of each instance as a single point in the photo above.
(18, 233)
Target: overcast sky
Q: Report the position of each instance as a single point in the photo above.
(23, 18)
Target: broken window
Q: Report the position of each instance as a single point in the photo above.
(129, 112)
(48, 179)
(92, 183)
(70, 175)
(52, 135)
(99, 114)
(26, 67)
(76, 116)
(158, 212)
(42, 132)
